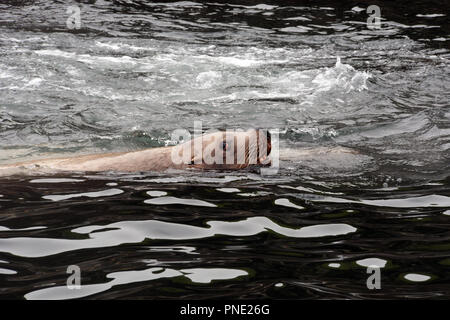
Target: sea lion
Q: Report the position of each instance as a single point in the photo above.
(223, 150)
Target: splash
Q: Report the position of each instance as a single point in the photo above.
(342, 77)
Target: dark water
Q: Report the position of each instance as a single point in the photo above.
(136, 71)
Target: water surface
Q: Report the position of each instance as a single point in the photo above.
(136, 71)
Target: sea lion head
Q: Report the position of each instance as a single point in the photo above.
(226, 150)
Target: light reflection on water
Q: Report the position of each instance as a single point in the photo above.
(217, 244)
(137, 231)
(197, 275)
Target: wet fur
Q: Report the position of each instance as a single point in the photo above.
(156, 159)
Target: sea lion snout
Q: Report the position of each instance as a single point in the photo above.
(226, 150)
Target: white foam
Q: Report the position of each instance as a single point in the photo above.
(5, 74)
(342, 76)
(237, 61)
(106, 59)
(87, 58)
(113, 46)
(119, 46)
(300, 29)
(206, 80)
(34, 82)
